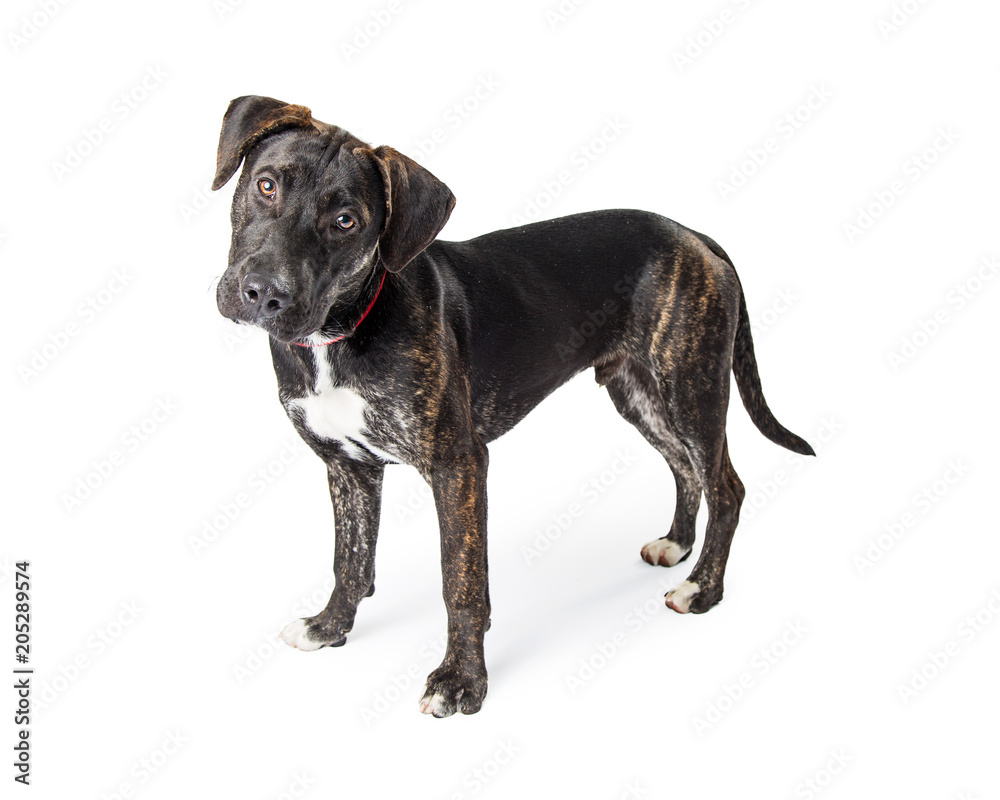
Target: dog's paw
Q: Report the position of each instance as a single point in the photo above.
(664, 552)
(450, 690)
(301, 635)
(692, 597)
(680, 597)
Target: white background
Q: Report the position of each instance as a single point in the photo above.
(142, 640)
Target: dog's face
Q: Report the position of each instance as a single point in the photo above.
(315, 212)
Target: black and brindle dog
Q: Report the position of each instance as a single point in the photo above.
(377, 365)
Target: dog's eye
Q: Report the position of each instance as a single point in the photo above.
(345, 222)
(267, 187)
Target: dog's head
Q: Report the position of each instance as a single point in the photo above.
(316, 215)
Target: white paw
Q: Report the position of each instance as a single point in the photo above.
(664, 553)
(296, 634)
(433, 704)
(679, 598)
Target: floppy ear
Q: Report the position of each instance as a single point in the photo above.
(247, 121)
(417, 205)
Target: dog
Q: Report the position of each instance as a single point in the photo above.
(391, 347)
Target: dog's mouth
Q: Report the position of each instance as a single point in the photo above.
(287, 331)
(284, 327)
(292, 329)
(302, 320)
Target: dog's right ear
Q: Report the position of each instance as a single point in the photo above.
(248, 120)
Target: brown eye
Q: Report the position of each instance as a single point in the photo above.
(345, 222)
(267, 187)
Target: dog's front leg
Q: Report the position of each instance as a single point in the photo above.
(356, 491)
(459, 486)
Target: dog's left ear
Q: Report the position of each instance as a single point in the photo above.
(417, 205)
(248, 120)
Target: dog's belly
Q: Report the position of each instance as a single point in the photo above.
(495, 413)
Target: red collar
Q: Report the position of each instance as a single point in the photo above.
(344, 335)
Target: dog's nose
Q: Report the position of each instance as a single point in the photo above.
(264, 294)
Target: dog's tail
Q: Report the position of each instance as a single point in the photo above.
(748, 379)
(748, 382)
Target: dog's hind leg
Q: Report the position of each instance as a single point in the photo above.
(724, 494)
(356, 491)
(637, 397)
(695, 354)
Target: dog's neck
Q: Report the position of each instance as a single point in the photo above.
(328, 357)
(338, 320)
(346, 316)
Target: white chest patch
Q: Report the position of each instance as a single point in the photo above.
(336, 413)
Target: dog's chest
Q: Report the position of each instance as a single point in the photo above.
(336, 413)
